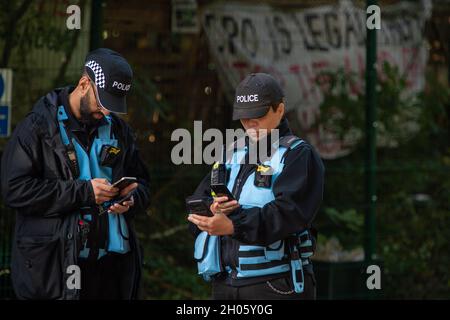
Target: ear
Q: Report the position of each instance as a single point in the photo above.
(280, 110)
(84, 84)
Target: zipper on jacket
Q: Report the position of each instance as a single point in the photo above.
(232, 253)
(241, 179)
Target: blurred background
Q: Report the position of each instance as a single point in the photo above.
(386, 200)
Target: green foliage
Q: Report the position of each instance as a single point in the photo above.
(413, 180)
(342, 110)
(349, 219)
(36, 26)
(36, 30)
(169, 271)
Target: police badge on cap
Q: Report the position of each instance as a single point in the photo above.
(112, 76)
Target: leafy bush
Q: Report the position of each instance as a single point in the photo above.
(413, 185)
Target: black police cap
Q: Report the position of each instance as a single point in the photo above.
(255, 95)
(112, 76)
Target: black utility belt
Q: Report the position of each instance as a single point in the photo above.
(241, 282)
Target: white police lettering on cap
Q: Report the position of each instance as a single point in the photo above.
(247, 98)
(121, 86)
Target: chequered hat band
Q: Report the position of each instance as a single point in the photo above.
(98, 72)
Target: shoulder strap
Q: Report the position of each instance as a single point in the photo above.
(290, 142)
(62, 116)
(70, 149)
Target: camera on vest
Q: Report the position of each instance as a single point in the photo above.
(109, 155)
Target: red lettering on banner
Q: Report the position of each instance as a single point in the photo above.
(411, 65)
(240, 66)
(295, 69)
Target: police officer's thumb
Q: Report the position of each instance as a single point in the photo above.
(105, 181)
(102, 181)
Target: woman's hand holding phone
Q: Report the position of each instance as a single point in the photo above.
(223, 205)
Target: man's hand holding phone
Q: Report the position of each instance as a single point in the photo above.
(104, 192)
(123, 206)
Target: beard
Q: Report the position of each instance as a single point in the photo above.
(86, 115)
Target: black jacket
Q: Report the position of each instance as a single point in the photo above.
(36, 180)
(298, 193)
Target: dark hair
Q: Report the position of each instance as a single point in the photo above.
(276, 105)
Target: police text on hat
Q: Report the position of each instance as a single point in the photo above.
(255, 95)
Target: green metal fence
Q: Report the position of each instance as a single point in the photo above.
(6, 228)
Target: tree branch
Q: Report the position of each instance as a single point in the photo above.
(68, 53)
(10, 31)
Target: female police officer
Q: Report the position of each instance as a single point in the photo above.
(258, 246)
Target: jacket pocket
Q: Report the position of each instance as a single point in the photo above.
(275, 251)
(207, 255)
(38, 268)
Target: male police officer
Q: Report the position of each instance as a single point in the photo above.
(259, 244)
(57, 171)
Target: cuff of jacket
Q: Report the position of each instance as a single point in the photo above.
(237, 218)
(134, 209)
(87, 195)
(140, 206)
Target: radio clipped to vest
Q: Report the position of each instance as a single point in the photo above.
(72, 155)
(219, 178)
(219, 174)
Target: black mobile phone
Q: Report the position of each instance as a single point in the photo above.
(127, 197)
(124, 182)
(221, 190)
(198, 206)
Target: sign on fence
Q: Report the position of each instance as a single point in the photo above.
(5, 101)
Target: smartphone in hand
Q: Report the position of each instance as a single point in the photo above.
(221, 190)
(198, 206)
(121, 200)
(124, 182)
